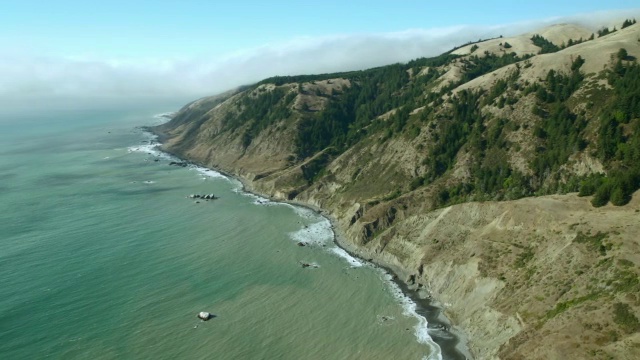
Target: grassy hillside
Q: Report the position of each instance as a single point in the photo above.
(573, 116)
(387, 151)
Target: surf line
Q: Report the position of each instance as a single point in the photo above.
(411, 307)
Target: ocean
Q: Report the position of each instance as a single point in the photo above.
(103, 255)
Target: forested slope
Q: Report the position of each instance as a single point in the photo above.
(387, 151)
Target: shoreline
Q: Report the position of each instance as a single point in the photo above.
(452, 342)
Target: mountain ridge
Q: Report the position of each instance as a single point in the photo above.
(396, 154)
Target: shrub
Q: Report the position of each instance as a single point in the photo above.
(623, 54)
(624, 316)
(601, 198)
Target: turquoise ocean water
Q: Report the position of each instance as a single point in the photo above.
(103, 256)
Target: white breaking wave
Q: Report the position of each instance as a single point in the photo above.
(149, 136)
(307, 213)
(208, 173)
(345, 255)
(165, 116)
(319, 233)
(151, 149)
(238, 187)
(259, 200)
(421, 330)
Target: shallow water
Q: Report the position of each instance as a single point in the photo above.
(103, 256)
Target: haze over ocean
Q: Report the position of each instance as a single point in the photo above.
(102, 253)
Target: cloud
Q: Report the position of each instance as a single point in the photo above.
(35, 77)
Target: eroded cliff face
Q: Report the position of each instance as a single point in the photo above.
(537, 278)
(514, 276)
(518, 277)
(532, 278)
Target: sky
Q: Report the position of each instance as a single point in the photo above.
(117, 49)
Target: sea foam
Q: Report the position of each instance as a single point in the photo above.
(421, 330)
(345, 255)
(208, 173)
(257, 199)
(307, 213)
(319, 233)
(153, 149)
(165, 116)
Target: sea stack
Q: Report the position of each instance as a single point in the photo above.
(203, 315)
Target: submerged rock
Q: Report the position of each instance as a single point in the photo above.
(204, 197)
(182, 163)
(308, 265)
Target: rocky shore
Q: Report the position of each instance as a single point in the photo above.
(451, 339)
(474, 269)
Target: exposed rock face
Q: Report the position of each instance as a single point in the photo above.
(500, 269)
(545, 277)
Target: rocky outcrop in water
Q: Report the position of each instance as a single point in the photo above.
(204, 197)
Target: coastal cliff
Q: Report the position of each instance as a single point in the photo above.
(500, 178)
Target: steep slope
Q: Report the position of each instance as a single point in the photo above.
(421, 165)
(551, 270)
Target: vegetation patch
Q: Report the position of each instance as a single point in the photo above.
(595, 242)
(315, 168)
(566, 305)
(476, 66)
(524, 257)
(624, 316)
(619, 137)
(605, 31)
(545, 45)
(628, 22)
(625, 263)
(626, 281)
